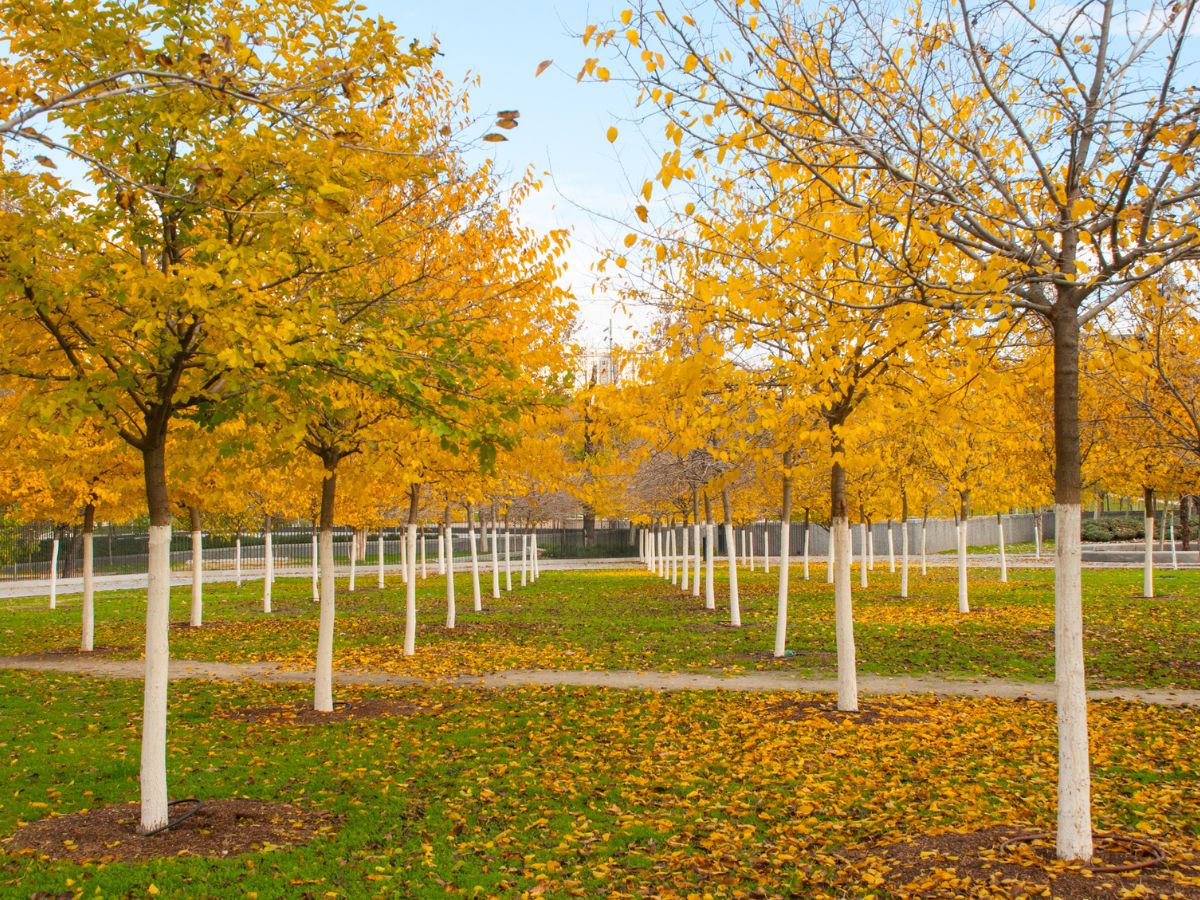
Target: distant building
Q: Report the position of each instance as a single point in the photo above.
(598, 366)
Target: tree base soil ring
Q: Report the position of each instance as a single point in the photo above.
(219, 828)
(1004, 861)
(869, 714)
(302, 713)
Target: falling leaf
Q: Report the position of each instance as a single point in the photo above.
(492, 138)
(506, 123)
(542, 67)
(46, 161)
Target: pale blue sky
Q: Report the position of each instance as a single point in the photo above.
(562, 125)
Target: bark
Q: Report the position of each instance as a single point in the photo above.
(1148, 542)
(1074, 779)
(964, 605)
(197, 612)
(735, 604)
(323, 683)
(54, 544)
(903, 544)
(843, 609)
(268, 564)
(781, 599)
(710, 599)
(448, 544)
(476, 596)
(153, 774)
(1003, 552)
(410, 587)
(88, 637)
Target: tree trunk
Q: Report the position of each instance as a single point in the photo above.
(380, 575)
(781, 599)
(1185, 518)
(524, 558)
(1074, 779)
(735, 604)
(891, 548)
(903, 544)
(237, 558)
(589, 525)
(424, 563)
(153, 775)
(696, 541)
(323, 683)
(1148, 543)
(353, 560)
(87, 641)
(924, 535)
(54, 544)
(862, 557)
(1003, 552)
(807, 538)
(507, 558)
(495, 553)
(410, 587)
(448, 545)
(710, 597)
(685, 558)
(964, 605)
(197, 616)
(476, 596)
(316, 571)
(843, 609)
(268, 564)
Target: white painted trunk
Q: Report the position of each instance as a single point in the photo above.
(410, 593)
(672, 550)
(904, 559)
(1037, 538)
(660, 560)
(507, 560)
(353, 561)
(862, 555)
(476, 595)
(870, 531)
(534, 561)
(781, 598)
(1003, 553)
(495, 563)
(323, 683)
(844, 618)
(710, 597)
(237, 559)
(891, 548)
(441, 547)
(451, 607)
(424, 564)
(807, 538)
(1147, 559)
(767, 554)
(316, 587)
(1074, 778)
(197, 617)
(735, 603)
(54, 573)
(524, 558)
(964, 605)
(1171, 542)
(831, 557)
(406, 568)
(684, 582)
(696, 559)
(924, 555)
(380, 575)
(87, 641)
(153, 775)
(268, 571)
(750, 555)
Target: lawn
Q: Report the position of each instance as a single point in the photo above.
(631, 619)
(577, 792)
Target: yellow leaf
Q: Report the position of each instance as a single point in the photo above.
(626, 16)
(612, 133)
(602, 73)
(630, 240)
(690, 62)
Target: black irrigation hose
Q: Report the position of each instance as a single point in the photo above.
(171, 823)
(1155, 854)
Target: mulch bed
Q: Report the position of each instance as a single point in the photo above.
(867, 714)
(302, 713)
(219, 828)
(971, 865)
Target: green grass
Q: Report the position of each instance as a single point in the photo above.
(630, 619)
(570, 792)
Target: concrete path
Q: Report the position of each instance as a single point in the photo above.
(619, 679)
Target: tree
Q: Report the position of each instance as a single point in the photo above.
(1044, 162)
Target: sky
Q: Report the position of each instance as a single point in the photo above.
(563, 124)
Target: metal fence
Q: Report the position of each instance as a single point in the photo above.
(26, 552)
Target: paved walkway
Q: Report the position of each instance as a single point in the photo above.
(620, 679)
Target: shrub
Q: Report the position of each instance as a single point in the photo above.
(1104, 530)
